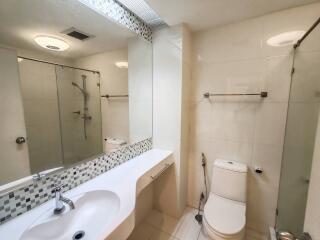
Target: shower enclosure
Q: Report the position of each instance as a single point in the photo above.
(62, 113)
(79, 104)
(301, 128)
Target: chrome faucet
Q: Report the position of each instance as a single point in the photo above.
(38, 176)
(60, 200)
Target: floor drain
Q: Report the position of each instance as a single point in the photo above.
(78, 235)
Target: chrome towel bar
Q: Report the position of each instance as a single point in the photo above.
(261, 94)
(114, 96)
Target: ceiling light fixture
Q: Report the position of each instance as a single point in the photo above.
(51, 43)
(122, 64)
(285, 39)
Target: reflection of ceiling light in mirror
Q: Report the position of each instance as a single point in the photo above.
(122, 64)
(51, 43)
(285, 39)
(20, 59)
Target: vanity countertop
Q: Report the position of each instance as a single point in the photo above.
(121, 180)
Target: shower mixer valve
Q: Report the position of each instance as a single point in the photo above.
(86, 117)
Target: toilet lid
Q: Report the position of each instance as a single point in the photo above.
(225, 216)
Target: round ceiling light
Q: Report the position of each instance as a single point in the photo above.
(51, 43)
(285, 39)
(121, 64)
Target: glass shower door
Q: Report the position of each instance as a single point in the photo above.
(80, 115)
(302, 119)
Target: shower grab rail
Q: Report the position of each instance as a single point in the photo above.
(261, 94)
(114, 96)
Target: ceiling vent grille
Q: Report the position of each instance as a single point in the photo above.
(75, 33)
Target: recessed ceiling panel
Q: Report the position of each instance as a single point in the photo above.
(202, 14)
(143, 11)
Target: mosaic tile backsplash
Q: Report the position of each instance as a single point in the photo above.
(118, 13)
(23, 199)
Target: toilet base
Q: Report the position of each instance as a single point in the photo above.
(215, 236)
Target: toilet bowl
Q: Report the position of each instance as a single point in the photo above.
(225, 210)
(224, 218)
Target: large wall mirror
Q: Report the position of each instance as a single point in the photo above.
(70, 90)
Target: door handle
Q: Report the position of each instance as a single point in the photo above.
(20, 140)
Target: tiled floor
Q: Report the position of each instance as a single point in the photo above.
(158, 226)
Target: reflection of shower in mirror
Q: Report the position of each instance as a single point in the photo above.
(85, 115)
(82, 90)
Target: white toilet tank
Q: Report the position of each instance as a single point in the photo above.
(229, 180)
(113, 144)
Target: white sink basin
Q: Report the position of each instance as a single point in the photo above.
(93, 212)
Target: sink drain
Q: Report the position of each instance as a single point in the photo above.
(78, 235)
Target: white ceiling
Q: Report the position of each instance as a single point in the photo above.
(22, 20)
(201, 14)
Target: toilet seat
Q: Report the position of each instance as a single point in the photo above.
(224, 218)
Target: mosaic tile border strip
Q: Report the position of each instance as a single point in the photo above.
(21, 200)
(118, 13)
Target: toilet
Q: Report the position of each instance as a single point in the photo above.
(224, 214)
(113, 144)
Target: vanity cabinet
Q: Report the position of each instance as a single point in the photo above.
(154, 173)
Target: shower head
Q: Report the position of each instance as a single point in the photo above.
(82, 90)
